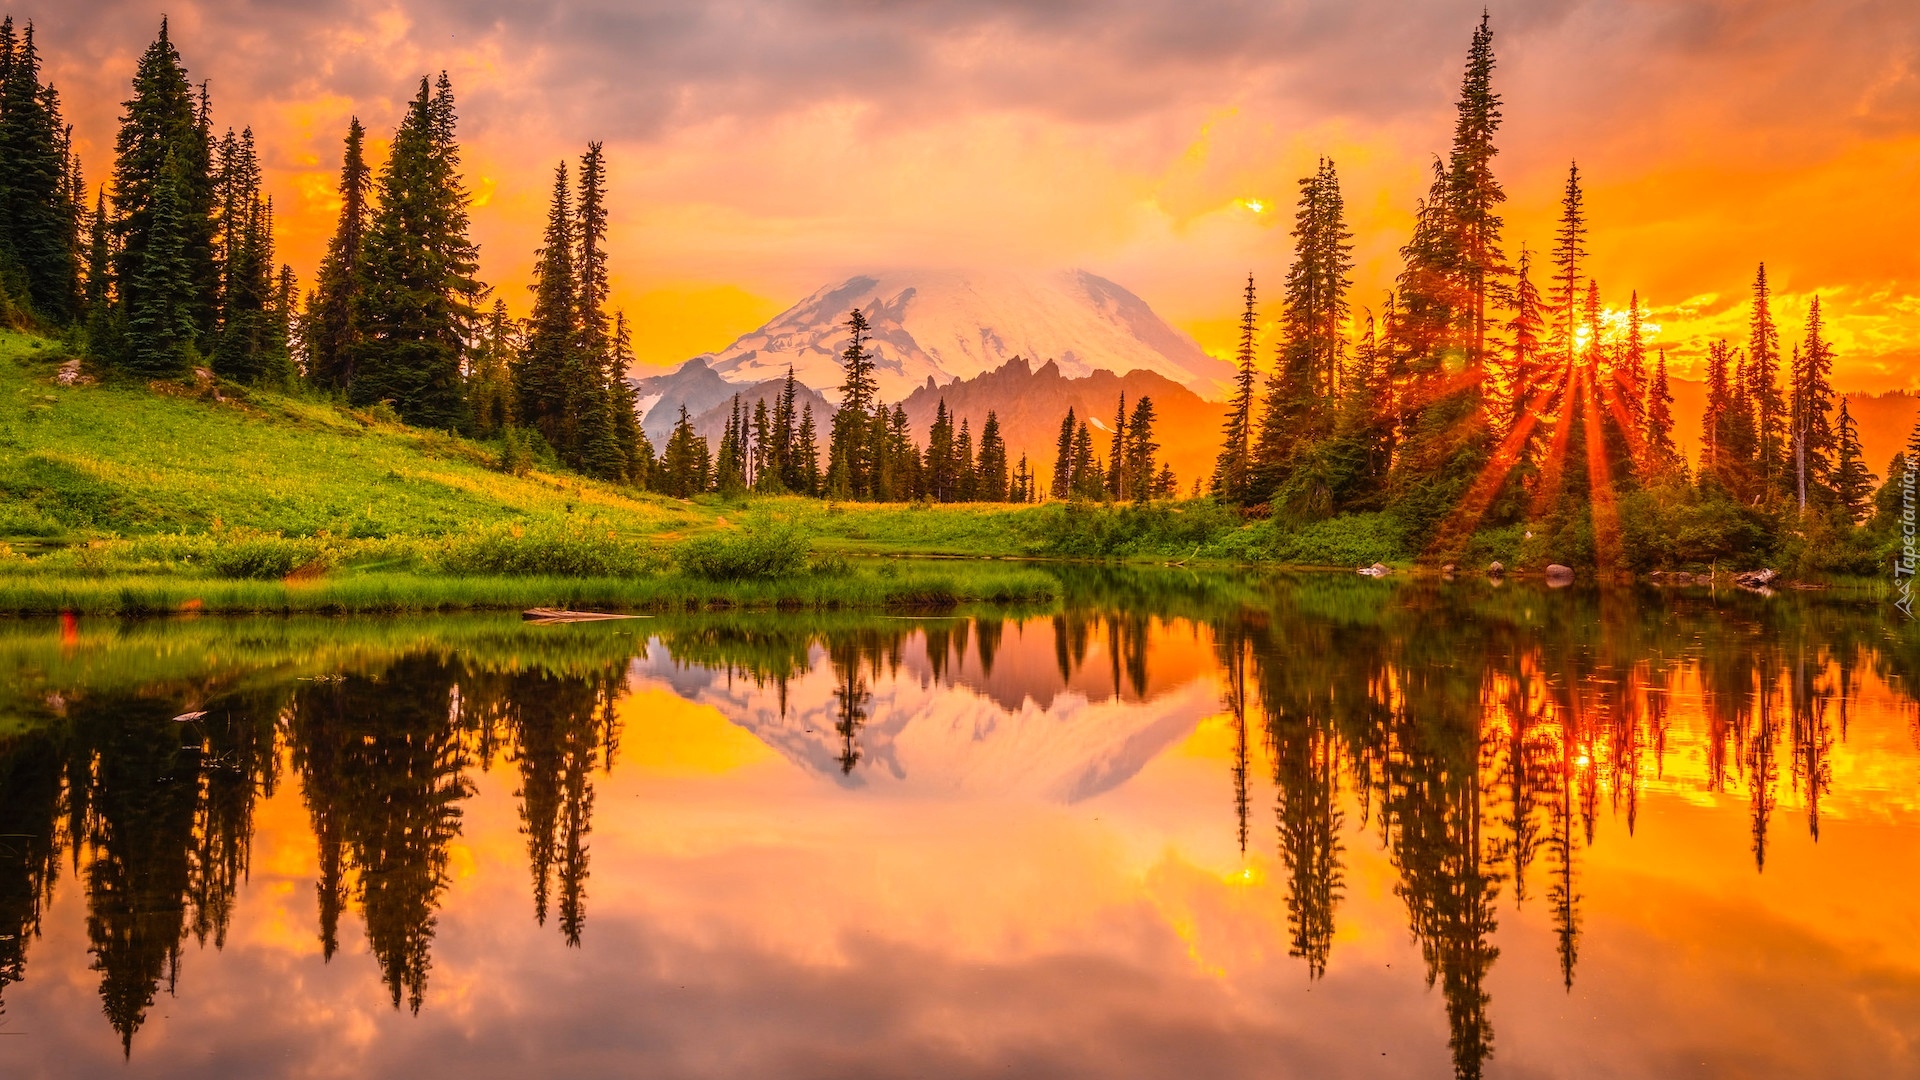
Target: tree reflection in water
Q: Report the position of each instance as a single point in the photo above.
(1484, 736)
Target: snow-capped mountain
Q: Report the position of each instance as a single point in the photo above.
(1025, 732)
(947, 325)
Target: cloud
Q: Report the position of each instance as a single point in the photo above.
(767, 146)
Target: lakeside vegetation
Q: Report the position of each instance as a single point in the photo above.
(178, 429)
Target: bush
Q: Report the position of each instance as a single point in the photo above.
(766, 550)
(263, 558)
(1091, 530)
(549, 552)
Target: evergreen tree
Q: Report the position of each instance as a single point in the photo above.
(1063, 458)
(806, 452)
(1141, 467)
(785, 420)
(1088, 480)
(160, 312)
(490, 374)
(1021, 489)
(729, 465)
(1814, 439)
(1116, 479)
(1474, 195)
(630, 439)
(1232, 473)
(414, 305)
(1630, 372)
(1569, 247)
(39, 256)
(1772, 425)
(1853, 483)
(163, 218)
(1526, 350)
(684, 466)
(330, 333)
(1662, 455)
(1315, 308)
(965, 478)
(248, 347)
(762, 475)
(942, 469)
(992, 465)
(551, 375)
(848, 464)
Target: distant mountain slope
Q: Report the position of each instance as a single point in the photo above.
(1030, 405)
(948, 325)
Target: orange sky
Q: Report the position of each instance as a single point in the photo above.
(759, 150)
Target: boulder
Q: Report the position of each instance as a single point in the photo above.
(1559, 575)
(1680, 578)
(1756, 579)
(1496, 568)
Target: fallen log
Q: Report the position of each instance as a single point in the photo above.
(541, 616)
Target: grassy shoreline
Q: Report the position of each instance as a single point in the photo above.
(917, 589)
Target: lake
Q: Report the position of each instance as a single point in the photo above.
(1180, 825)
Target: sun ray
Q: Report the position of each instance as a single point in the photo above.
(1487, 485)
(1601, 496)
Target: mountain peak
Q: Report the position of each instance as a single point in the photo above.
(939, 327)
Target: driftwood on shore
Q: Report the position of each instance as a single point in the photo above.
(543, 616)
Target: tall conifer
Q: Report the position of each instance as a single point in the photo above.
(330, 334)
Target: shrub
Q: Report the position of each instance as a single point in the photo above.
(765, 550)
(553, 552)
(1348, 540)
(265, 557)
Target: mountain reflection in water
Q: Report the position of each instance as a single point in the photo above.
(1637, 833)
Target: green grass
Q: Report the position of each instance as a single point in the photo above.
(128, 459)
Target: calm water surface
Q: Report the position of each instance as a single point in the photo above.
(1185, 826)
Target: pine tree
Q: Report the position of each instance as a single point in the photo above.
(1771, 422)
(1314, 312)
(1662, 455)
(1062, 485)
(631, 440)
(39, 256)
(414, 305)
(1088, 480)
(729, 465)
(1141, 467)
(490, 375)
(1473, 193)
(1021, 490)
(1525, 348)
(806, 452)
(1853, 483)
(1568, 248)
(965, 478)
(1814, 439)
(1630, 372)
(785, 420)
(848, 465)
(1231, 473)
(1116, 480)
(991, 469)
(163, 218)
(941, 470)
(684, 466)
(160, 325)
(244, 349)
(762, 475)
(330, 332)
(550, 376)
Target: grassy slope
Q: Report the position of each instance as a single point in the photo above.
(96, 460)
(83, 463)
